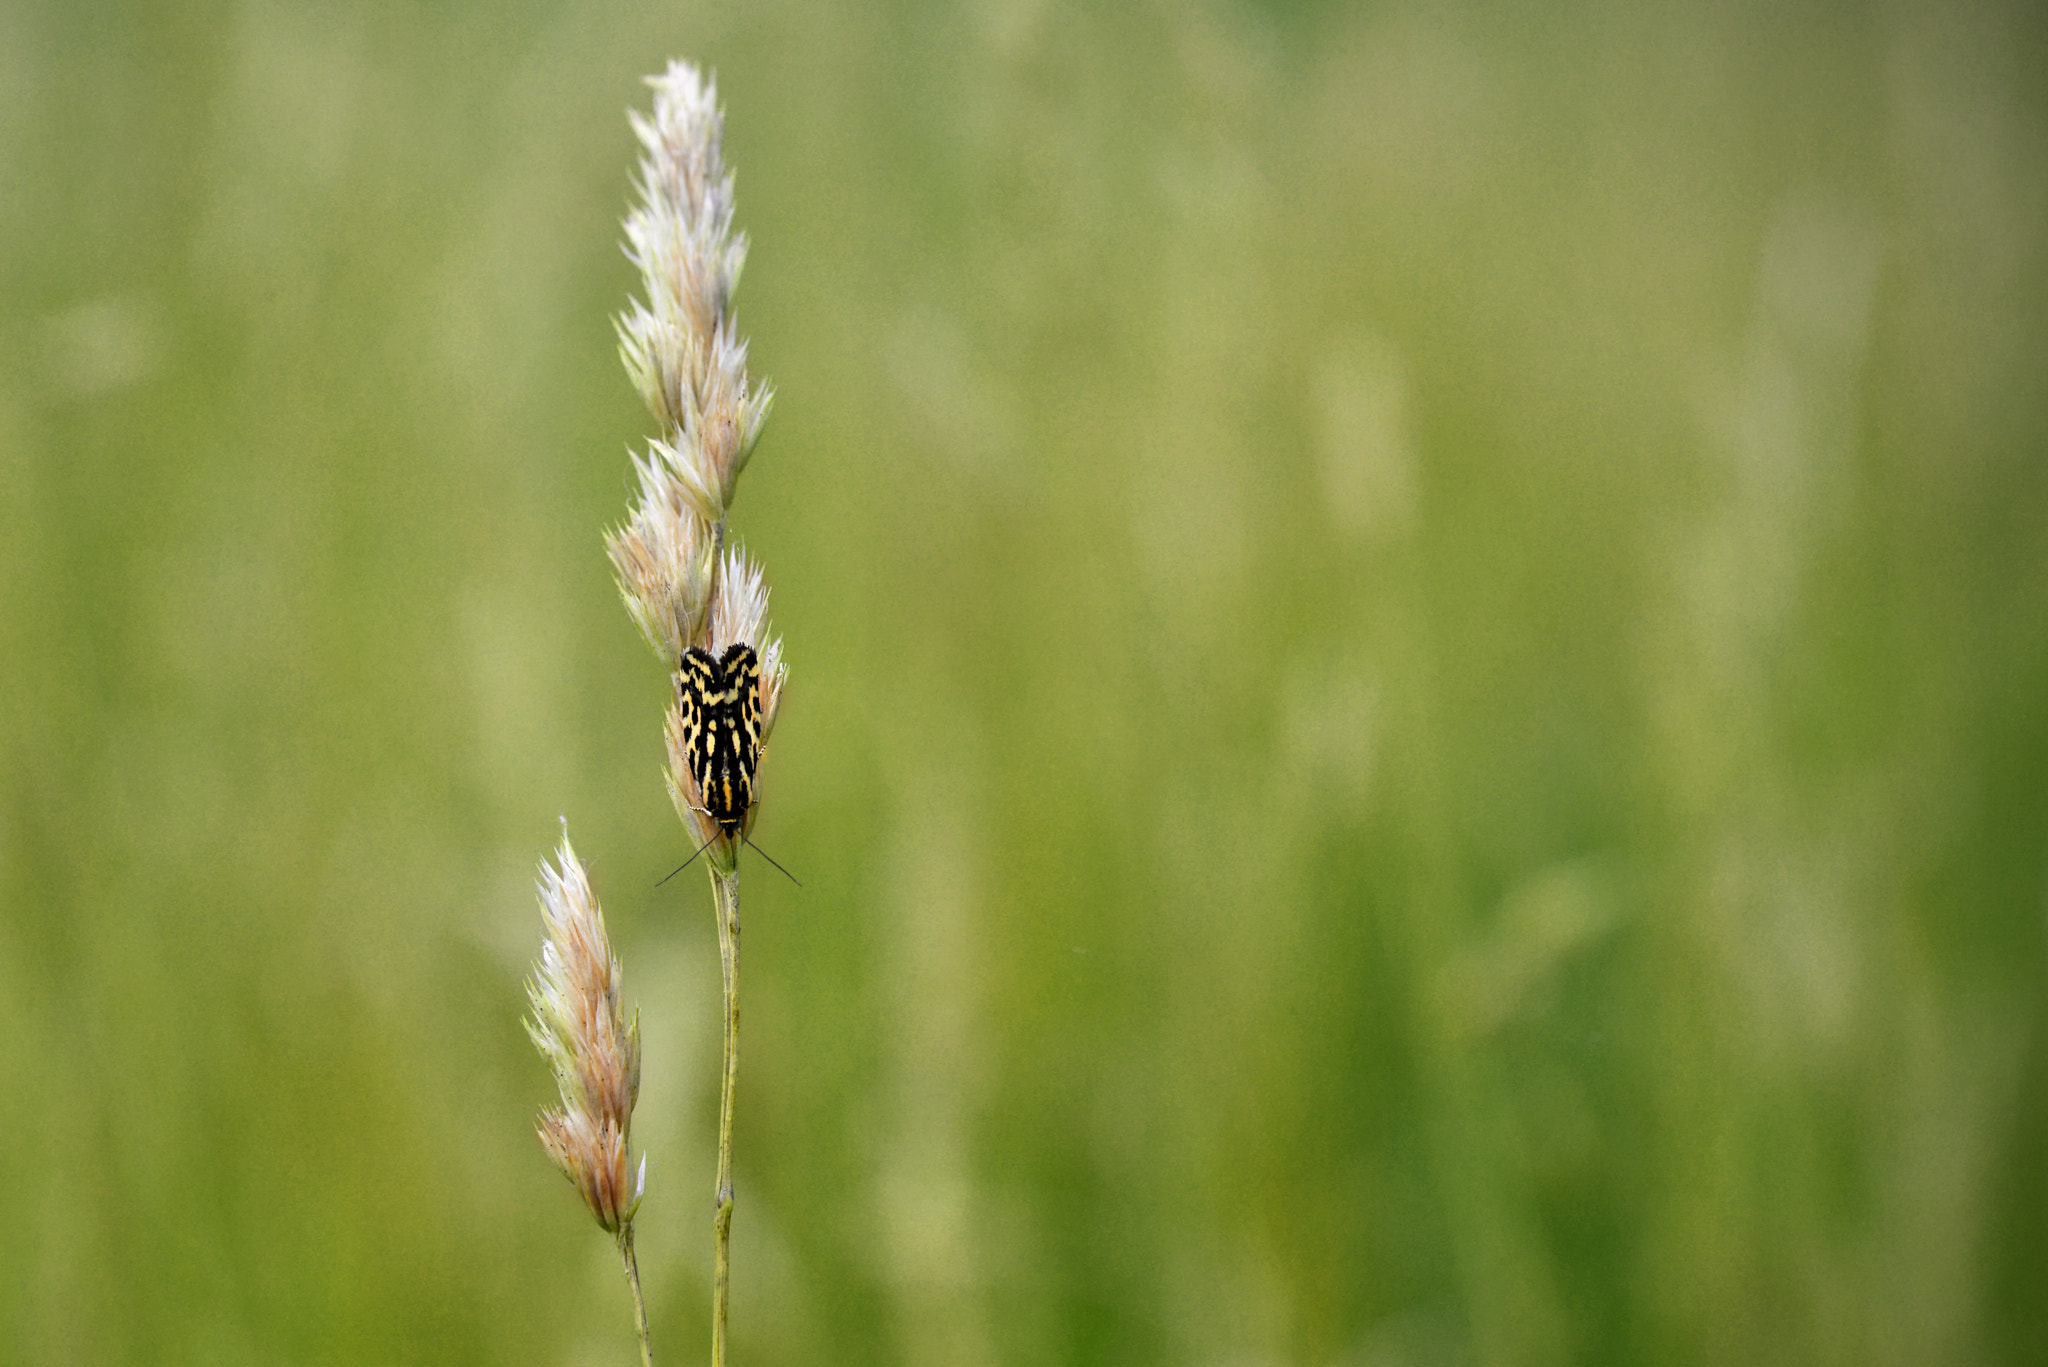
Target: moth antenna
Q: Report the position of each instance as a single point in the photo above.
(765, 855)
(693, 859)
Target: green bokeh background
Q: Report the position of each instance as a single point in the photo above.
(1418, 718)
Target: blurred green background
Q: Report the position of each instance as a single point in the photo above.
(1418, 718)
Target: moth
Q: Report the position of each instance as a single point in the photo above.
(720, 698)
(721, 701)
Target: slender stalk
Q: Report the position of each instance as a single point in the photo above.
(639, 1305)
(725, 896)
(687, 584)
